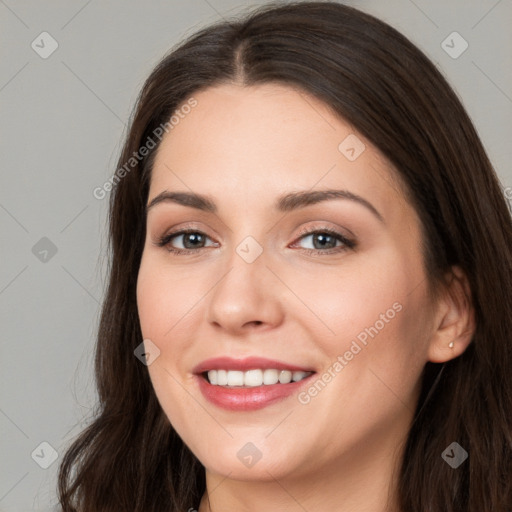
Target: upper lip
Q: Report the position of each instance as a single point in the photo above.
(248, 363)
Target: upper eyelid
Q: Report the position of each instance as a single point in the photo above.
(347, 233)
(302, 231)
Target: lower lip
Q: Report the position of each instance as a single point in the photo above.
(248, 399)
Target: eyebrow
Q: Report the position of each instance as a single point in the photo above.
(285, 203)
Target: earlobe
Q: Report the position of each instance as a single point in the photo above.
(455, 321)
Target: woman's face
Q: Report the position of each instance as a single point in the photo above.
(276, 269)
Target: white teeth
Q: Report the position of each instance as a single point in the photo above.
(213, 377)
(296, 376)
(253, 378)
(222, 377)
(270, 376)
(285, 377)
(235, 378)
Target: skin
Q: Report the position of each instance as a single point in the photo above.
(244, 147)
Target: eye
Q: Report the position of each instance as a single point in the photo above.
(191, 240)
(326, 241)
(321, 241)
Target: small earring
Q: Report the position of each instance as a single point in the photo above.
(450, 344)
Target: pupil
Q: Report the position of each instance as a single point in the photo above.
(324, 241)
(192, 237)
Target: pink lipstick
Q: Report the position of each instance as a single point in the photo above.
(251, 383)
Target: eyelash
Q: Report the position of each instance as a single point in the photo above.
(165, 240)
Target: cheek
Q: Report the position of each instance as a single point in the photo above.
(166, 298)
(374, 355)
(162, 308)
(343, 301)
(372, 313)
(149, 308)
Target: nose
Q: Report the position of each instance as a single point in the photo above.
(248, 297)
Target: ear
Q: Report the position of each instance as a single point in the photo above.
(454, 320)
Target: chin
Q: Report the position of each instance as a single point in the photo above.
(255, 461)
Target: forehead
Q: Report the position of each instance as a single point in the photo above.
(257, 141)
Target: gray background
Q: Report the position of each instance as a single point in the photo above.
(62, 122)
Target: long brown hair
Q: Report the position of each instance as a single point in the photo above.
(130, 458)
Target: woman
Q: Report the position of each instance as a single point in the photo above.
(309, 304)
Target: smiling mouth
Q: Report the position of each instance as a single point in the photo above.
(253, 378)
